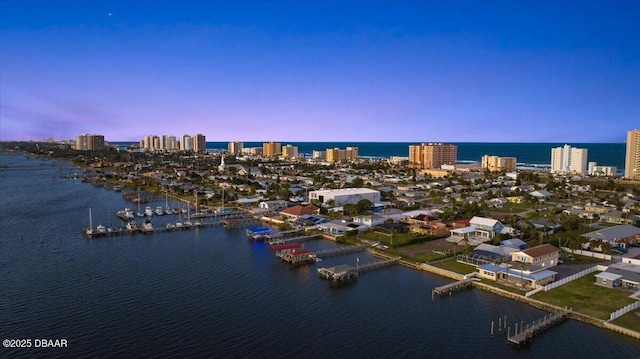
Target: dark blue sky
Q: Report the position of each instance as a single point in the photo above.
(453, 71)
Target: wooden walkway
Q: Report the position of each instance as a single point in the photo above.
(340, 250)
(298, 256)
(548, 321)
(344, 272)
(280, 240)
(451, 287)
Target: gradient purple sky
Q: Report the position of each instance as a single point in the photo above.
(389, 71)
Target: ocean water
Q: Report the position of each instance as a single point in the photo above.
(607, 154)
(212, 293)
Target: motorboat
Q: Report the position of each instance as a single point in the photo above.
(147, 226)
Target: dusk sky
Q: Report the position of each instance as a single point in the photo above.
(387, 71)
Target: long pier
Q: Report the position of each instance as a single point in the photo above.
(293, 255)
(345, 272)
(452, 287)
(280, 240)
(525, 335)
(341, 250)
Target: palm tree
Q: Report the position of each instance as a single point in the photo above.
(522, 266)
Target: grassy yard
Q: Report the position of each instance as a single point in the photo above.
(426, 257)
(583, 296)
(630, 320)
(454, 266)
(399, 239)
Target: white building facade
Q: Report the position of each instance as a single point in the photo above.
(569, 159)
(345, 196)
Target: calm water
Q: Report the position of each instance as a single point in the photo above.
(607, 154)
(213, 293)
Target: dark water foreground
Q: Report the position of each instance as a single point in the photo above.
(212, 293)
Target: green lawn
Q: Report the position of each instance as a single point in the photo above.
(630, 320)
(399, 239)
(583, 296)
(426, 257)
(454, 266)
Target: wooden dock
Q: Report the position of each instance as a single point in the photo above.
(452, 287)
(281, 240)
(340, 250)
(345, 272)
(526, 334)
(297, 256)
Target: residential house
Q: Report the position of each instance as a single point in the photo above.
(544, 255)
(528, 268)
(618, 217)
(618, 236)
(296, 211)
(370, 220)
(624, 274)
(276, 205)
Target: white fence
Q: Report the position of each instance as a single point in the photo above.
(569, 278)
(620, 312)
(587, 253)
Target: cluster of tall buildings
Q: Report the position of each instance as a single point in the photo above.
(196, 143)
(432, 155)
(572, 160)
(276, 149)
(88, 142)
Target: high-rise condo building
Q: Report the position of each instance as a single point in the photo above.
(290, 152)
(186, 143)
(199, 143)
(496, 163)
(432, 155)
(88, 142)
(271, 149)
(632, 158)
(235, 148)
(168, 143)
(569, 159)
(338, 155)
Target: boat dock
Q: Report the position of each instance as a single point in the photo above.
(291, 253)
(346, 273)
(296, 256)
(239, 222)
(526, 334)
(452, 287)
(283, 240)
(92, 232)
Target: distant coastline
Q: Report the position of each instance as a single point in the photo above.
(534, 154)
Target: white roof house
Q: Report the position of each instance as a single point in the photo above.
(345, 195)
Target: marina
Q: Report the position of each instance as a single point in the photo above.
(231, 219)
